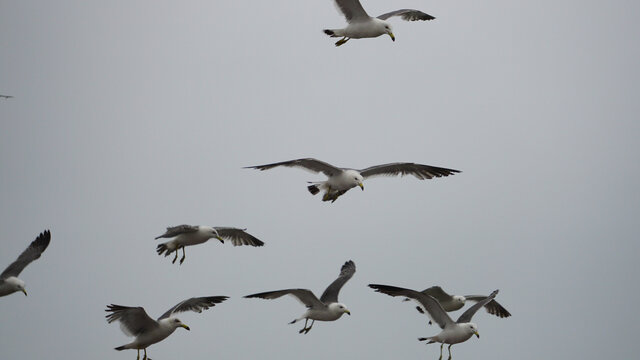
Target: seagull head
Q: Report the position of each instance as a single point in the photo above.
(213, 233)
(339, 308)
(459, 299)
(389, 31)
(472, 329)
(176, 323)
(355, 178)
(16, 284)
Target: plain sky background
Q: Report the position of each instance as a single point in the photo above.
(130, 116)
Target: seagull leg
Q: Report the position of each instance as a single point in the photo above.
(450, 345)
(175, 258)
(138, 358)
(342, 41)
(305, 326)
(145, 354)
(326, 196)
(309, 328)
(183, 255)
(441, 345)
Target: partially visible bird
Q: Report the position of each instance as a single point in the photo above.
(9, 282)
(340, 180)
(327, 308)
(134, 321)
(361, 25)
(187, 235)
(452, 332)
(6, 96)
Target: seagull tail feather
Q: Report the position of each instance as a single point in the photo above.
(120, 348)
(162, 248)
(331, 33)
(313, 189)
(429, 340)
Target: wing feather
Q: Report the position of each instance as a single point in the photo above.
(492, 307)
(310, 164)
(133, 320)
(467, 315)
(33, 252)
(331, 293)
(174, 231)
(305, 296)
(238, 236)
(420, 171)
(196, 304)
(407, 14)
(352, 10)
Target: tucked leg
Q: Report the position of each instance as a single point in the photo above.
(175, 258)
(342, 41)
(309, 328)
(183, 255)
(305, 326)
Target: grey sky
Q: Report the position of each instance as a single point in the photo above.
(130, 116)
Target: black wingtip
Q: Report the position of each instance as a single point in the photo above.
(328, 32)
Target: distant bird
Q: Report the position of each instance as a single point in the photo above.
(361, 25)
(6, 96)
(340, 180)
(187, 235)
(134, 321)
(452, 332)
(9, 282)
(456, 302)
(327, 308)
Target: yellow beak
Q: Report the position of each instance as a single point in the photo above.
(348, 312)
(185, 326)
(361, 186)
(478, 335)
(25, 292)
(391, 35)
(221, 239)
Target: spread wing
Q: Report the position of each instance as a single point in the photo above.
(305, 296)
(352, 10)
(331, 293)
(173, 231)
(238, 236)
(35, 249)
(492, 307)
(437, 293)
(467, 315)
(407, 14)
(310, 164)
(420, 171)
(196, 304)
(133, 320)
(431, 305)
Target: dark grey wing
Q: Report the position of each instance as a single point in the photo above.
(35, 249)
(437, 293)
(492, 307)
(467, 315)
(310, 164)
(238, 236)
(306, 297)
(173, 231)
(407, 14)
(196, 304)
(133, 320)
(331, 293)
(420, 171)
(352, 10)
(430, 304)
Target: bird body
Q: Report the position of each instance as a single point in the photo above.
(456, 302)
(9, 281)
(165, 328)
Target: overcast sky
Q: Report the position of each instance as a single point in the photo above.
(130, 116)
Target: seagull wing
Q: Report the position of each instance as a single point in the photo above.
(407, 14)
(196, 304)
(420, 171)
(238, 236)
(305, 296)
(467, 315)
(431, 305)
(35, 249)
(492, 307)
(133, 320)
(310, 164)
(331, 293)
(437, 293)
(352, 10)
(173, 231)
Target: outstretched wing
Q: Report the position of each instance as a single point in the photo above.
(238, 236)
(430, 304)
(420, 171)
(31, 253)
(352, 10)
(310, 164)
(492, 307)
(437, 293)
(467, 315)
(133, 320)
(407, 14)
(305, 296)
(173, 231)
(196, 304)
(331, 293)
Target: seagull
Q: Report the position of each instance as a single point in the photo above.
(340, 180)
(6, 96)
(327, 308)
(134, 321)
(9, 282)
(452, 332)
(456, 302)
(361, 25)
(187, 235)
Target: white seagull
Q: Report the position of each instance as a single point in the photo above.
(340, 180)
(327, 308)
(452, 332)
(456, 302)
(187, 235)
(361, 25)
(134, 321)
(9, 282)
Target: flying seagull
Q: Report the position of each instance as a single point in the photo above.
(326, 309)
(9, 282)
(452, 332)
(456, 302)
(340, 180)
(361, 25)
(6, 96)
(134, 321)
(187, 235)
